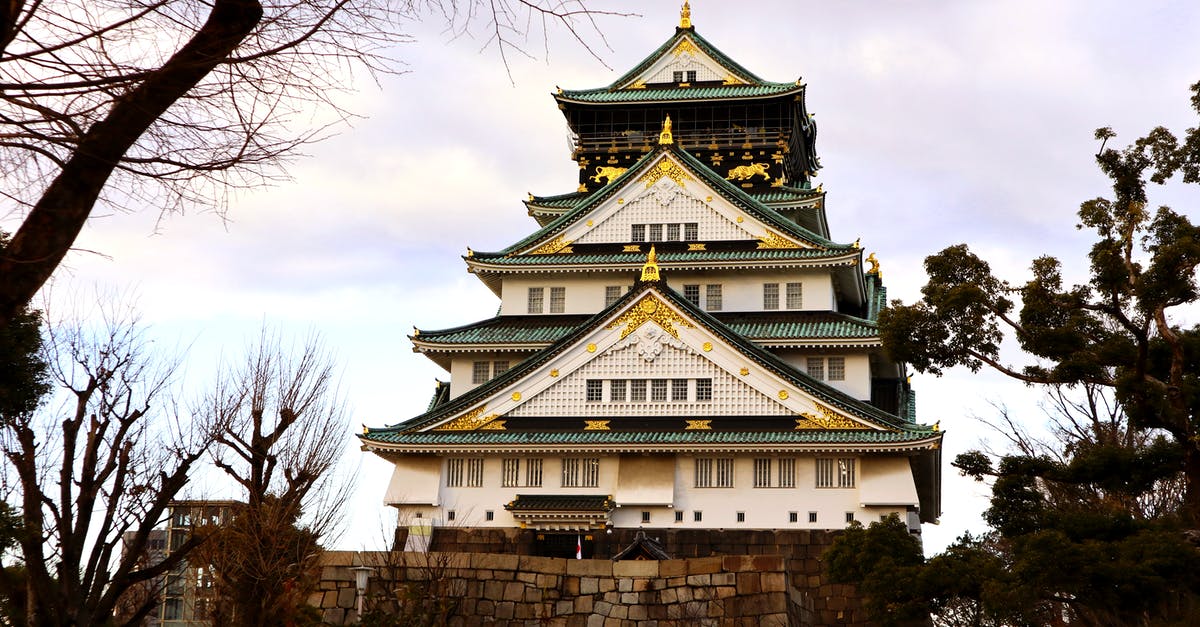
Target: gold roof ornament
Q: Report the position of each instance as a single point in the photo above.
(650, 269)
(685, 15)
(665, 138)
(874, 269)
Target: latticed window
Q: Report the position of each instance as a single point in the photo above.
(835, 473)
(672, 232)
(474, 472)
(762, 473)
(637, 390)
(725, 472)
(637, 233)
(658, 390)
(845, 472)
(704, 473)
(612, 293)
(480, 371)
(677, 76)
(595, 390)
(454, 473)
(581, 472)
(795, 296)
(654, 232)
(787, 473)
(770, 296)
(537, 296)
(714, 473)
(816, 368)
(616, 390)
(533, 473)
(712, 297)
(691, 76)
(511, 473)
(837, 368)
(558, 299)
(691, 293)
(703, 390)
(691, 231)
(499, 368)
(679, 390)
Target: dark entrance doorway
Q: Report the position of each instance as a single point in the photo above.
(563, 544)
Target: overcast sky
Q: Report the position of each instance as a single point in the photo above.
(940, 123)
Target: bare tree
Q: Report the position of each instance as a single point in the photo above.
(174, 102)
(285, 427)
(96, 463)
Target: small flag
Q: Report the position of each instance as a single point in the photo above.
(578, 547)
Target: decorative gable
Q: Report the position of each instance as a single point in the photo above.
(683, 62)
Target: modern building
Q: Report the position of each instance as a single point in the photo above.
(681, 347)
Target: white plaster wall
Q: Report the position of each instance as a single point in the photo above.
(858, 369)
(887, 481)
(463, 364)
(415, 480)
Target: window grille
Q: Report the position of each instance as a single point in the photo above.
(558, 299)
(691, 293)
(645, 517)
(762, 473)
(704, 388)
(533, 473)
(712, 297)
(725, 473)
(679, 516)
(691, 231)
(691, 76)
(451, 515)
(787, 473)
(637, 233)
(672, 232)
(793, 517)
(654, 232)
(454, 473)
(835, 473)
(512, 473)
(704, 473)
(658, 390)
(741, 516)
(480, 371)
(581, 472)
(591, 472)
(595, 390)
(812, 517)
(536, 297)
(795, 296)
(849, 517)
(679, 390)
(770, 296)
(489, 515)
(637, 391)
(616, 390)
(677, 76)
(474, 472)
(612, 294)
(816, 368)
(499, 368)
(846, 472)
(698, 516)
(837, 368)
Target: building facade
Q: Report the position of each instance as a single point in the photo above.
(681, 344)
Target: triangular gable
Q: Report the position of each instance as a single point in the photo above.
(670, 187)
(654, 334)
(686, 50)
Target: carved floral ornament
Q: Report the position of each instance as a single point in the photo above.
(828, 419)
(471, 420)
(665, 169)
(650, 308)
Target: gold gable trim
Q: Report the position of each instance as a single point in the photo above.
(828, 419)
(596, 425)
(468, 421)
(559, 244)
(666, 169)
(698, 425)
(650, 308)
(685, 46)
(773, 240)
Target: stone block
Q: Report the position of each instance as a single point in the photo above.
(596, 620)
(592, 568)
(724, 579)
(494, 561)
(635, 568)
(334, 616)
(608, 584)
(546, 565)
(613, 597)
(641, 585)
(602, 608)
(583, 605)
(624, 585)
(629, 598)
(314, 599)
(619, 612)
(533, 595)
(513, 591)
(546, 581)
(764, 563)
(735, 563)
(638, 613)
(486, 607)
(672, 568)
(505, 610)
(699, 581)
(570, 586)
(705, 565)
(589, 585)
(493, 590)
(748, 583)
(329, 599)
(346, 597)
(668, 596)
(773, 582)
(336, 573)
(564, 607)
(525, 577)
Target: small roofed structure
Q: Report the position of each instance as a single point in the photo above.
(643, 548)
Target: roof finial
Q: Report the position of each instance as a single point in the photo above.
(665, 138)
(685, 15)
(874, 269)
(650, 269)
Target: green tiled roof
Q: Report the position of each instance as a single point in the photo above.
(561, 502)
(664, 258)
(798, 436)
(757, 326)
(785, 194)
(723, 92)
(561, 201)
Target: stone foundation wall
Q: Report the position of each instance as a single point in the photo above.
(510, 589)
(801, 550)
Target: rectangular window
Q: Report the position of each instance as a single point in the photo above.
(677, 76)
(616, 390)
(658, 390)
(795, 297)
(637, 233)
(570, 472)
(536, 297)
(816, 368)
(591, 472)
(511, 473)
(849, 517)
(474, 472)
(698, 516)
(678, 516)
(703, 390)
(672, 232)
(454, 473)
(762, 473)
(581, 472)
(451, 515)
(704, 473)
(835, 473)
(712, 297)
(691, 293)
(725, 473)
(595, 390)
(741, 516)
(837, 368)
(480, 372)
(770, 296)
(846, 472)
(787, 473)
(645, 517)
(679, 390)
(691, 231)
(499, 368)
(612, 293)
(654, 232)
(825, 475)
(637, 391)
(558, 299)
(533, 473)
(793, 517)
(691, 76)
(812, 517)
(489, 515)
